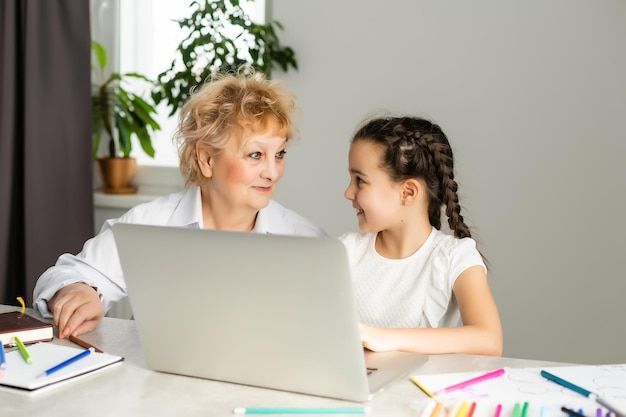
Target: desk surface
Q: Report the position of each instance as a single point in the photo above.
(130, 389)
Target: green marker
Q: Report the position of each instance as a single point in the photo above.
(524, 409)
(23, 350)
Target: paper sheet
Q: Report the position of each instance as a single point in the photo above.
(527, 385)
(45, 355)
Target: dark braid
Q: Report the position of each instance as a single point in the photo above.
(417, 148)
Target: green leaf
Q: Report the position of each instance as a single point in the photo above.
(100, 53)
(121, 113)
(208, 45)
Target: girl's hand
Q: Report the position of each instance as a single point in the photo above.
(373, 338)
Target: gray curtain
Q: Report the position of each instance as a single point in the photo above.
(46, 197)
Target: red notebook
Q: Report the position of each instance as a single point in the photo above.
(27, 328)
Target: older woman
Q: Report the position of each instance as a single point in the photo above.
(233, 134)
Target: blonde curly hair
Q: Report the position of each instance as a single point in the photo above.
(226, 108)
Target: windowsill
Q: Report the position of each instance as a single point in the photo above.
(151, 181)
(121, 201)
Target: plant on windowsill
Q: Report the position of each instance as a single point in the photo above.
(117, 115)
(221, 37)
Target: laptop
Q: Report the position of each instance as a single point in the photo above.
(257, 309)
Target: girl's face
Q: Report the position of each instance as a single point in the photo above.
(245, 176)
(374, 196)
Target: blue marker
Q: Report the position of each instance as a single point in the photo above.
(566, 384)
(63, 364)
(3, 358)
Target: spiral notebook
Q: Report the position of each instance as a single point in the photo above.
(24, 377)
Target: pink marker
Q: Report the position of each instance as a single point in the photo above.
(461, 385)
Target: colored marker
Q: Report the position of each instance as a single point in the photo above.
(428, 408)
(243, 410)
(582, 391)
(516, 410)
(3, 358)
(420, 386)
(67, 362)
(23, 351)
(498, 410)
(462, 410)
(614, 408)
(453, 410)
(565, 383)
(571, 412)
(437, 410)
(525, 409)
(470, 413)
(464, 384)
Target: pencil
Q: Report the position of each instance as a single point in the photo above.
(86, 345)
(420, 386)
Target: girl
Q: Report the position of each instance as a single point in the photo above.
(412, 281)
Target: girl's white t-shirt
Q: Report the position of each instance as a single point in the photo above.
(412, 292)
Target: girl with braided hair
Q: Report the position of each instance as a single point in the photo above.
(417, 288)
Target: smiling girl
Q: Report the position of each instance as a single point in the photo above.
(417, 288)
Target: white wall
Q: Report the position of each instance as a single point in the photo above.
(532, 95)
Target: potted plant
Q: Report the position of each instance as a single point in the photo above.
(221, 37)
(118, 114)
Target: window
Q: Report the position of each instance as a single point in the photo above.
(148, 38)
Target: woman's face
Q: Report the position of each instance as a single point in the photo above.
(244, 176)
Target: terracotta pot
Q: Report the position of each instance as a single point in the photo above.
(117, 175)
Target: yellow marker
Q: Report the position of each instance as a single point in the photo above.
(420, 386)
(462, 410)
(23, 350)
(22, 303)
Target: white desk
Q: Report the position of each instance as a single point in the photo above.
(130, 389)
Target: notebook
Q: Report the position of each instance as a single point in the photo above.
(256, 309)
(28, 378)
(27, 328)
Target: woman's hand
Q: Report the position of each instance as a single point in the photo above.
(76, 309)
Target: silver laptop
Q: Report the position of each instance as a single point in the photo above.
(263, 310)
